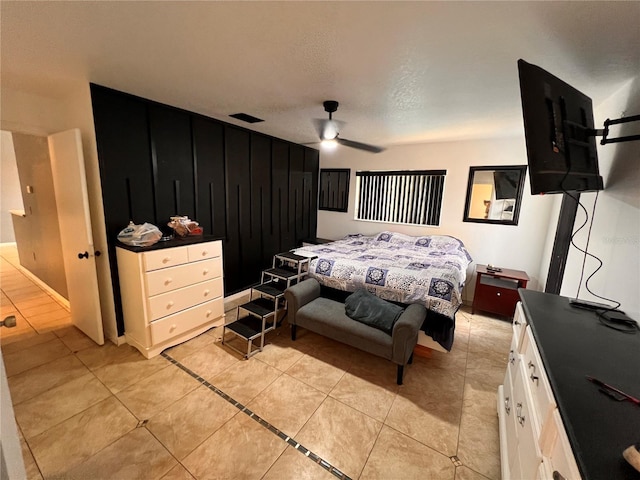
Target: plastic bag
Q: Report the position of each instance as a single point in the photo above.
(140, 235)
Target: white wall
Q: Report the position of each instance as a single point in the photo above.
(10, 194)
(615, 236)
(519, 247)
(28, 113)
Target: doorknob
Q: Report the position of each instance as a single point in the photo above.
(83, 255)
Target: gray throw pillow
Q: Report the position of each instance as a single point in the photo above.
(365, 307)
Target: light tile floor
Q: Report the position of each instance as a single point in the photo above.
(89, 411)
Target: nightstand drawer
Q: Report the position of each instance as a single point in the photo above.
(496, 299)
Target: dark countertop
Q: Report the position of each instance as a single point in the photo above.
(573, 343)
(175, 242)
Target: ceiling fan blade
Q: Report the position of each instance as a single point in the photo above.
(327, 128)
(359, 145)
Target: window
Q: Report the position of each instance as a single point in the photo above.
(409, 196)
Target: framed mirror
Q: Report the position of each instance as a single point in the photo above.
(494, 194)
(334, 189)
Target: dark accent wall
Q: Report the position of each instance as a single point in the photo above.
(256, 192)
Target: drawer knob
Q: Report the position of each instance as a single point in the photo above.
(533, 377)
(516, 322)
(206, 292)
(170, 304)
(168, 281)
(498, 293)
(173, 327)
(208, 313)
(519, 415)
(204, 253)
(205, 271)
(166, 259)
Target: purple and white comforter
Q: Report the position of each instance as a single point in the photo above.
(430, 270)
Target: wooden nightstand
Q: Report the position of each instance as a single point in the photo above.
(497, 292)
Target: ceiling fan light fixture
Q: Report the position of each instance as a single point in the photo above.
(329, 143)
(329, 136)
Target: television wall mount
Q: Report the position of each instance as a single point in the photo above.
(604, 133)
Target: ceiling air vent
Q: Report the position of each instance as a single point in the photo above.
(246, 118)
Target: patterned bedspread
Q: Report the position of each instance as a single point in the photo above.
(430, 270)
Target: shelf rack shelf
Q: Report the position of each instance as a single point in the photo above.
(265, 312)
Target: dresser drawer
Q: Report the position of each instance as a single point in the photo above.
(181, 298)
(513, 360)
(182, 322)
(202, 251)
(527, 428)
(167, 279)
(167, 257)
(559, 454)
(510, 419)
(519, 326)
(536, 378)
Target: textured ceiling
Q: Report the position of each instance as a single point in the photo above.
(403, 72)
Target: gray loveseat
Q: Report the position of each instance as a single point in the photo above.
(308, 309)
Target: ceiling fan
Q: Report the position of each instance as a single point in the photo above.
(329, 130)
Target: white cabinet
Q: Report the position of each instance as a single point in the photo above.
(170, 295)
(533, 440)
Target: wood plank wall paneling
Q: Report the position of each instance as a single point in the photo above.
(257, 193)
(172, 159)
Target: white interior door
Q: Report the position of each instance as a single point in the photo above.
(70, 184)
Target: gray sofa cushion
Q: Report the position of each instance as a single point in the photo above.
(327, 317)
(365, 307)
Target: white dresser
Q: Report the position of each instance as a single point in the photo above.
(171, 294)
(533, 440)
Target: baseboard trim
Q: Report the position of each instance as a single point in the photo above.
(50, 291)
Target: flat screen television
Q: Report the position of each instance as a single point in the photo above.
(559, 132)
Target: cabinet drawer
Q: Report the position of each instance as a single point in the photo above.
(202, 251)
(545, 472)
(176, 300)
(182, 322)
(560, 454)
(536, 378)
(167, 257)
(510, 420)
(527, 428)
(513, 360)
(519, 326)
(167, 279)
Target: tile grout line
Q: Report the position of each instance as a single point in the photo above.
(283, 436)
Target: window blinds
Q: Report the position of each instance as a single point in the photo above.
(413, 197)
